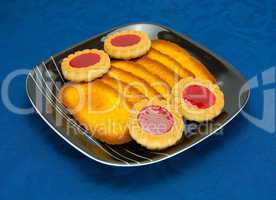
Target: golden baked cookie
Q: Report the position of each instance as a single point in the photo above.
(139, 71)
(197, 100)
(185, 59)
(134, 81)
(130, 93)
(169, 63)
(100, 109)
(85, 65)
(160, 70)
(127, 44)
(155, 125)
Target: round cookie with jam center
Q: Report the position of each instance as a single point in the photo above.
(85, 65)
(155, 125)
(197, 100)
(127, 44)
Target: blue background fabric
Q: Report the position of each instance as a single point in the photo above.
(36, 164)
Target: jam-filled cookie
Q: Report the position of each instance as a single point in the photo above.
(197, 100)
(85, 65)
(127, 44)
(155, 125)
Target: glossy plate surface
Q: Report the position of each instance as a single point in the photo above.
(45, 80)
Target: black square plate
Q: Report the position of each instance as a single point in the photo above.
(45, 80)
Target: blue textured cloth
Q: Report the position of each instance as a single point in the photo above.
(36, 164)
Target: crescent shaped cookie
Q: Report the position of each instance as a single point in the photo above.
(133, 81)
(100, 109)
(169, 62)
(184, 58)
(155, 125)
(131, 94)
(85, 65)
(127, 44)
(154, 67)
(197, 100)
(141, 72)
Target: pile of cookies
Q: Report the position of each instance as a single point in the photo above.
(138, 89)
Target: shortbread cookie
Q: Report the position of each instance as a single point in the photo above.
(130, 93)
(100, 109)
(160, 70)
(169, 63)
(139, 71)
(127, 44)
(85, 65)
(134, 81)
(197, 100)
(155, 125)
(185, 59)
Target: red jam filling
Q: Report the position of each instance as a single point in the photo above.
(125, 40)
(199, 96)
(85, 60)
(155, 120)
